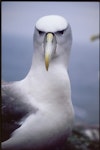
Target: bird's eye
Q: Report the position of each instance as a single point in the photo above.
(40, 32)
(60, 32)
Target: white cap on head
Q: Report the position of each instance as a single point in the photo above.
(51, 23)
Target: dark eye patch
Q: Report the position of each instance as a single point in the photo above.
(40, 32)
(60, 32)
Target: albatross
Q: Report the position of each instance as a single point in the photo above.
(37, 111)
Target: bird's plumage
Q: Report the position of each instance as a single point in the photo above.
(37, 111)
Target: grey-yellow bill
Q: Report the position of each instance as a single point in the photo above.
(50, 47)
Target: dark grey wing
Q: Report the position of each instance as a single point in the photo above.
(14, 111)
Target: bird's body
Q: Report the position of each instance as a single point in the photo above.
(42, 100)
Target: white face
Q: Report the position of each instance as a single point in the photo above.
(53, 35)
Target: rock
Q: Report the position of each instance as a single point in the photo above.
(82, 138)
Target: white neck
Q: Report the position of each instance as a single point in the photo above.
(48, 83)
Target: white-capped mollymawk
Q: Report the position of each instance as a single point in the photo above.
(37, 112)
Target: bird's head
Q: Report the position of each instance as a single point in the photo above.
(53, 38)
